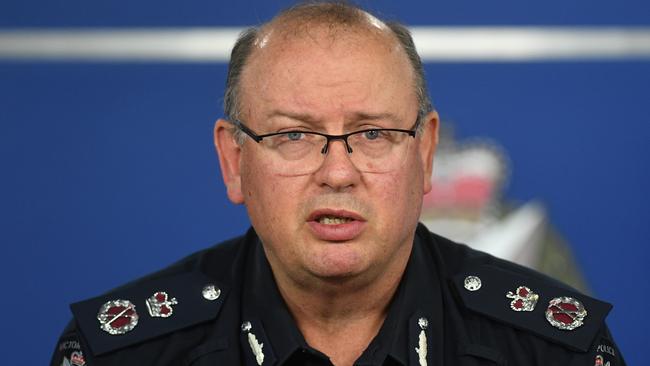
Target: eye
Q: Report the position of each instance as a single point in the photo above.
(295, 136)
(371, 134)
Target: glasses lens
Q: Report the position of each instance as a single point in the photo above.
(378, 151)
(373, 151)
(295, 153)
(295, 146)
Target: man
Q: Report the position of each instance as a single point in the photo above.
(329, 141)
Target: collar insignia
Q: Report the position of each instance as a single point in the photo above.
(256, 346)
(421, 350)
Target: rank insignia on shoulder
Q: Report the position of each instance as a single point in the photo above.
(160, 305)
(563, 321)
(121, 326)
(523, 299)
(565, 313)
(117, 317)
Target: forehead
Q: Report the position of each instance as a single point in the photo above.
(321, 70)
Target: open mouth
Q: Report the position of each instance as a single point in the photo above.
(333, 220)
(336, 225)
(334, 217)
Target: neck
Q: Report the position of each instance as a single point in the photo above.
(340, 317)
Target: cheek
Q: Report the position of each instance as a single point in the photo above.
(255, 188)
(268, 198)
(400, 196)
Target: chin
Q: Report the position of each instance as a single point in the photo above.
(337, 264)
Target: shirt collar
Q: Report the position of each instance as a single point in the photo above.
(263, 304)
(418, 296)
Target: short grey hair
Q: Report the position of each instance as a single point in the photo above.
(332, 13)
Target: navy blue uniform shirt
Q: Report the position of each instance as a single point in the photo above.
(454, 306)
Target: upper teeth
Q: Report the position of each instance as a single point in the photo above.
(333, 220)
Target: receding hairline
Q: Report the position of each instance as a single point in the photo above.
(337, 20)
(341, 21)
(335, 14)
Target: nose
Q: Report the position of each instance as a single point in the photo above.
(337, 172)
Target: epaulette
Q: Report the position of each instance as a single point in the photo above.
(532, 303)
(148, 309)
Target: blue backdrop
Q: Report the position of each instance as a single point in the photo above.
(108, 169)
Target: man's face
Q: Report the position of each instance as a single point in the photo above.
(335, 85)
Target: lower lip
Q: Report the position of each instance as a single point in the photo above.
(338, 232)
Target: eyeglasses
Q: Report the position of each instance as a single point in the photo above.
(296, 152)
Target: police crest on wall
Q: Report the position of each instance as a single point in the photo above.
(467, 204)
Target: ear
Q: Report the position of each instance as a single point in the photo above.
(427, 146)
(229, 153)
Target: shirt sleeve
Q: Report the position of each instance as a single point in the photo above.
(604, 351)
(68, 350)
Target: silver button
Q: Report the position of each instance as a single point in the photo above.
(246, 326)
(211, 292)
(472, 283)
(423, 323)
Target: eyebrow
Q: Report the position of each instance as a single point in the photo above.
(303, 117)
(361, 116)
